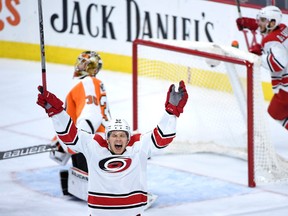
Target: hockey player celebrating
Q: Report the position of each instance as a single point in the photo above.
(274, 54)
(117, 163)
(86, 104)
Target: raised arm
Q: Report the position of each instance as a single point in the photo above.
(63, 124)
(165, 132)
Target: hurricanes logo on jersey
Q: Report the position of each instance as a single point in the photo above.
(115, 164)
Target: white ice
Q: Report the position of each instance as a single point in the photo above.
(193, 184)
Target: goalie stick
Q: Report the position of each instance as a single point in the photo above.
(37, 149)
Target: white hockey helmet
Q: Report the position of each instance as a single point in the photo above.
(270, 13)
(119, 125)
(88, 63)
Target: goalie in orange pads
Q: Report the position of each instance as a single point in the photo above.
(87, 105)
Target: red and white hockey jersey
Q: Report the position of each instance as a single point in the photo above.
(117, 183)
(275, 57)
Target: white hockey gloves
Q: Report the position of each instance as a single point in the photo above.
(176, 101)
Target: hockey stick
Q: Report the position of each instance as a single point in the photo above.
(42, 45)
(238, 8)
(245, 31)
(26, 151)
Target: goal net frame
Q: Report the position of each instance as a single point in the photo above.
(219, 57)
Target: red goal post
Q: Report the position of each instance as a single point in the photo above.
(225, 101)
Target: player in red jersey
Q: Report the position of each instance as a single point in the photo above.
(274, 54)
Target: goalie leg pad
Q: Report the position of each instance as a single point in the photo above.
(64, 181)
(78, 183)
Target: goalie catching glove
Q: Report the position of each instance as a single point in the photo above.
(49, 102)
(176, 101)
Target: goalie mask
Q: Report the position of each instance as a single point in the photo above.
(117, 125)
(268, 14)
(88, 63)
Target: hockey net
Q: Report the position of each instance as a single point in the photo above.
(225, 113)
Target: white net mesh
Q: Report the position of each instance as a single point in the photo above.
(215, 117)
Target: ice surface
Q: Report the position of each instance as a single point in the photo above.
(196, 184)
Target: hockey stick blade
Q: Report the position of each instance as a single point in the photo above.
(26, 151)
